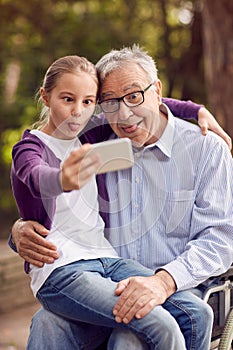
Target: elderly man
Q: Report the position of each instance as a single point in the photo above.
(172, 211)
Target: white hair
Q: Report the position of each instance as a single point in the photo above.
(118, 58)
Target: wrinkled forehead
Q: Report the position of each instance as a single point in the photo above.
(123, 79)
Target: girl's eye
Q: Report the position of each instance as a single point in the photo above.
(88, 102)
(68, 99)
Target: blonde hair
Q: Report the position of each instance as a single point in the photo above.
(67, 64)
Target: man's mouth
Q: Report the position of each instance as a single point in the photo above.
(129, 129)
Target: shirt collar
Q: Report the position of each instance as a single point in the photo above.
(165, 142)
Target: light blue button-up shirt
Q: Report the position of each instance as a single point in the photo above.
(174, 208)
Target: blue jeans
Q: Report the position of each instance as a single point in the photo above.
(88, 299)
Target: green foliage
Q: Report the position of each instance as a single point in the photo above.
(34, 33)
(9, 138)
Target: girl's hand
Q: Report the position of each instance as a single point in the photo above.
(78, 168)
(207, 122)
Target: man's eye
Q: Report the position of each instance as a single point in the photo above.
(110, 102)
(134, 97)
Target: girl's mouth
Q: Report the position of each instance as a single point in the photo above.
(74, 126)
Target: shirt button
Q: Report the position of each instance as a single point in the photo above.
(136, 205)
(137, 180)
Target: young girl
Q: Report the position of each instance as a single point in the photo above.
(53, 183)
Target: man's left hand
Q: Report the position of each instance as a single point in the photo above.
(139, 295)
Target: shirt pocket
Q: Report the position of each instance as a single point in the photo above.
(178, 217)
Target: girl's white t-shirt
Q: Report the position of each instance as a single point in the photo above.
(77, 229)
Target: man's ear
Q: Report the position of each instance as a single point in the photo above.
(44, 97)
(158, 88)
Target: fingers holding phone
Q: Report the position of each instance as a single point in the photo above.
(98, 158)
(78, 168)
(114, 155)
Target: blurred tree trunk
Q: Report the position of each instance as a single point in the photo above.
(218, 55)
(191, 63)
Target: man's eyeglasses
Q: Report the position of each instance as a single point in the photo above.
(132, 99)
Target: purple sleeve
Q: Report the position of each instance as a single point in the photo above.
(29, 168)
(97, 130)
(182, 109)
(35, 181)
(11, 244)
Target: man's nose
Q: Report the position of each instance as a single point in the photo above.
(124, 111)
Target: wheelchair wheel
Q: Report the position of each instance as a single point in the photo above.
(227, 334)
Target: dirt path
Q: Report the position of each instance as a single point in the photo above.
(14, 327)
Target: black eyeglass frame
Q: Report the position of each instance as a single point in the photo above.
(122, 98)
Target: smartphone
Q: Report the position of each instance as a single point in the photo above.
(114, 154)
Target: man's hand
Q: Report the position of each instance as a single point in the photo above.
(30, 245)
(139, 295)
(207, 121)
